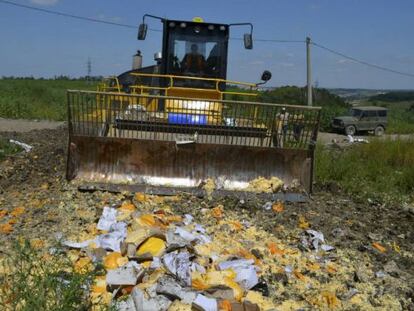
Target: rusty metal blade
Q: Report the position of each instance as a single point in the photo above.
(127, 162)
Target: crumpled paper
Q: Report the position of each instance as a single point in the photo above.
(313, 239)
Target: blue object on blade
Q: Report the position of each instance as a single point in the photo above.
(181, 118)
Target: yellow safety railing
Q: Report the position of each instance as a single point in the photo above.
(104, 87)
(172, 77)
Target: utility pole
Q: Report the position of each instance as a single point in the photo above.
(308, 70)
(89, 68)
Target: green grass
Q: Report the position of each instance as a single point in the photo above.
(7, 148)
(382, 170)
(46, 99)
(37, 99)
(400, 116)
(37, 281)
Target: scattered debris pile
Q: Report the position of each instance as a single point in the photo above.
(158, 260)
(161, 261)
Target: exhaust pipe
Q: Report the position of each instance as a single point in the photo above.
(137, 61)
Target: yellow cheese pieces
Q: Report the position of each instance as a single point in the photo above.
(6, 228)
(83, 265)
(137, 236)
(303, 224)
(379, 247)
(125, 211)
(278, 207)
(17, 211)
(114, 260)
(99, 284)
(330, 299)
(146, 220)
(154, 246)
(215, 278)
(263, 185)
(140, 197)
(217, 212)
(264, 303)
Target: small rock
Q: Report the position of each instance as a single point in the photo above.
(392, 268)
(375, 236)
(349, 294)
(380, 274)
(262, 288)
(281, 278)
(257, 253)
(409, 208)
(361, 276)
(267, 206)
(338, 233)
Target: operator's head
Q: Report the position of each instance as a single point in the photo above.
(194, 48)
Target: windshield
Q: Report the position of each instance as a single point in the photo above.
(196, 51)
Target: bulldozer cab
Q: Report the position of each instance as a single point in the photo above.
(195, 49)
(168, 127)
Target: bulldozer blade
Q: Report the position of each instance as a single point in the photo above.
(211, 147)
(145, 165)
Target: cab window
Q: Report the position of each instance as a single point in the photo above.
(197, 50)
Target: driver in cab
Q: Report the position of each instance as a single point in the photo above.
(193, 62)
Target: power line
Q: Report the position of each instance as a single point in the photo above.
(272, 40)
(407, 74)
(129, 26)
(95, 20)
(90, 19)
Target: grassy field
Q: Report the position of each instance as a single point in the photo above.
(35, 280)
(46, 99)
(37, 99)
(400, 116)
(7, 149)
(382, 171)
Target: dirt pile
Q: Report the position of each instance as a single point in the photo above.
(370, 267)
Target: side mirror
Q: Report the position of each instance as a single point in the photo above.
(142, 31)
(266, 75)
(248, 41)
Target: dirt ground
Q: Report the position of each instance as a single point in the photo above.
(35, 181)
(18, 125)
(21, 126)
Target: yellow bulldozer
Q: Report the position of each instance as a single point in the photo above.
(180, 125)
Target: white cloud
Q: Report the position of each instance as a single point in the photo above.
(44, 2)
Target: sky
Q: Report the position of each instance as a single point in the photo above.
(376, 31)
